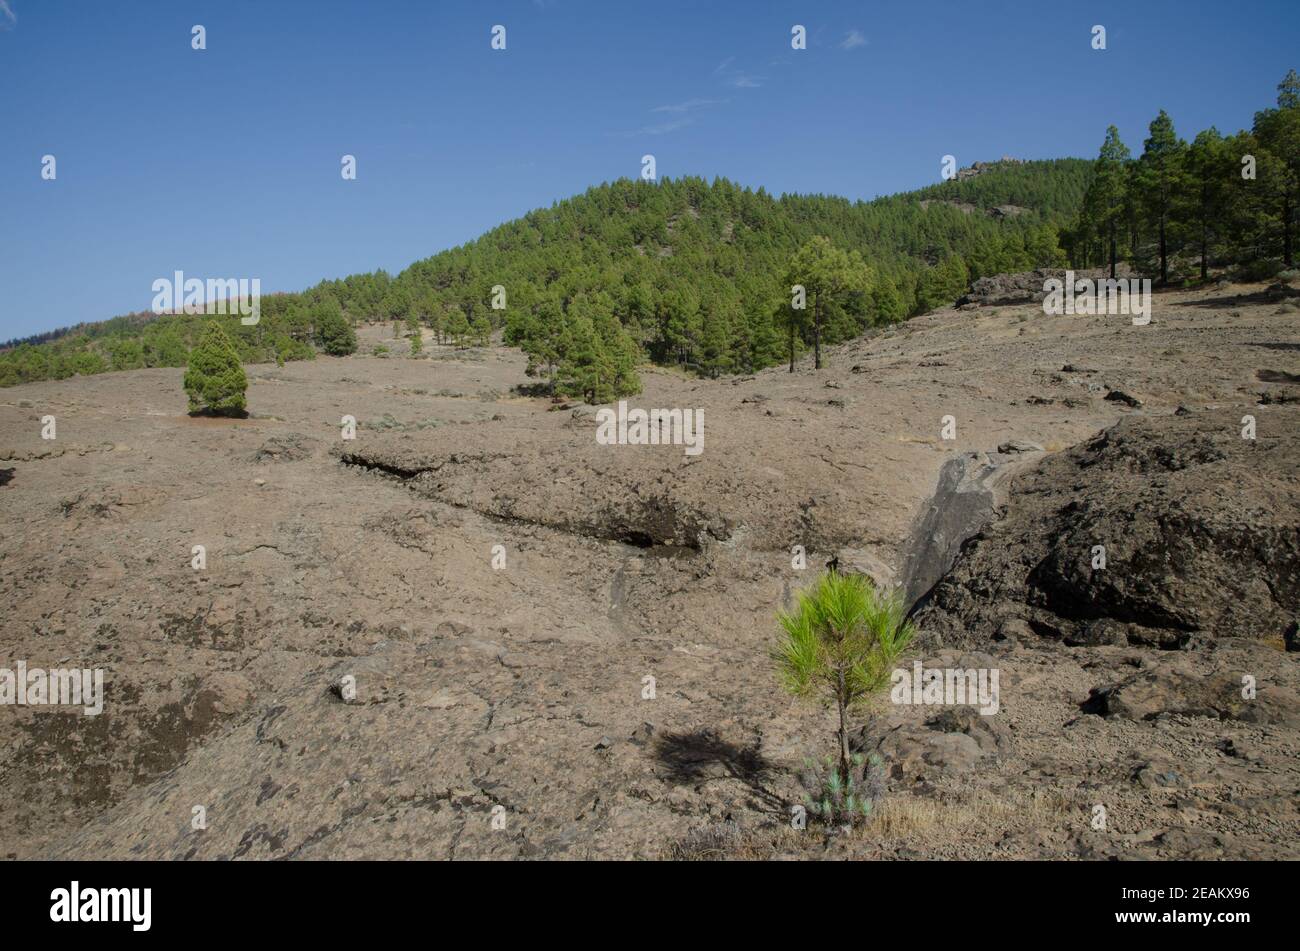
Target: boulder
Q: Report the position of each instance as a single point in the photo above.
(1025, 287)
(1167, 531)
(1250, 688)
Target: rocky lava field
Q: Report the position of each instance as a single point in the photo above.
(357, 674)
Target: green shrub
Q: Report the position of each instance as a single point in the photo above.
(841, 644)
(839, 799)
(214, 379)
(1261, 269)
(288, 349)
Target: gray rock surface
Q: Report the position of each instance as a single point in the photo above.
(520, 689)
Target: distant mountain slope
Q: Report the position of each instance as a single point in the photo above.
(694, 272)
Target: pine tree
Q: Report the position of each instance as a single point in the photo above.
(1209, 174)
(795, 320)
(457, 327)
(1278, 131)
(885, 302)
(829, 275)
(214, 379)
(333, 332)
(583, 370)
(621, 356)
(1109, 189)
(1160, 180)
(840, 645)
(942, 284)
(716, 344)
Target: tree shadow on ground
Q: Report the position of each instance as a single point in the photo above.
(701, 755)
(209, 413)
(532, 389)
(6, 476)
(1237, 300)
(1274, 345)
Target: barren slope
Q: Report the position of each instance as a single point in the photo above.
(523, 687)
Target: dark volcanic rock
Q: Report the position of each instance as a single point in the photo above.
(1119, 396)
(1200, 530)
(1026, 287)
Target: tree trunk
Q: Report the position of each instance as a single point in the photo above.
(1112, 252)
(843, 734)
(1205, 261)
(817, 333)
(1286, 231)
(792, 340)
(1164, 258)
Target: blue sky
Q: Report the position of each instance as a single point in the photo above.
(225, 162)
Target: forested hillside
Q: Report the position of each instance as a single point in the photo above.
(677, 272)
(700, 275)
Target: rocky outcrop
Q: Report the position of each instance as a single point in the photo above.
(998, 212)
(1169, 531)
(963, 503)
(1026, 287)
(976, 169)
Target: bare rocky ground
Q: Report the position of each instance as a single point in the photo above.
(523, 687)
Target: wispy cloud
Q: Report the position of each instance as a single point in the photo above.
(852, 40)
(7, 16)
(688, 105)
(736, 78)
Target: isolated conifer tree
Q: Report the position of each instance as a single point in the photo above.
(840, 646)
(214, 380)
(828, 274)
